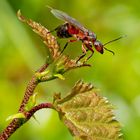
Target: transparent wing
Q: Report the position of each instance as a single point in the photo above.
(65, 17)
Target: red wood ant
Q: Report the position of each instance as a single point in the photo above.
(72, 28)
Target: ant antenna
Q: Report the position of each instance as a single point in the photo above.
(111, 42)
(109, 50)
(115, 39)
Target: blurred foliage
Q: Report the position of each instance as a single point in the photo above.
(22, 52)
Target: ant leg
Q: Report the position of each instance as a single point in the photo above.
(55, 29)
(82, 55)
(64, 47)
(90, 55)
(92, 51)
(52, 30)
(83, 48)
(69, 41)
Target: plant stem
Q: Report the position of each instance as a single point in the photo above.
(30, 113)
(16, 123)
(28, 93)
(30, 88)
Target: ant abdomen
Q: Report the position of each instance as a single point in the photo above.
(62, 31)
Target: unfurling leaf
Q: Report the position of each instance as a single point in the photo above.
(16, 116)
(31, 103)
(88, 115)
(60, 76)
(39, 75)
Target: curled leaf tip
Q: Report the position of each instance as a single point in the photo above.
(60, 76)
(16, 116)
(20, 17)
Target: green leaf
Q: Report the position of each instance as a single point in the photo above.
(42, 74)
(31, 103)
(88, 115)
(60, 76)
(16, 116)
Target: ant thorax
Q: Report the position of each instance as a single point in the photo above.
(92, 36)
(87, 42)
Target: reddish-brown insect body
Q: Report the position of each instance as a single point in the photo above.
(72, 28)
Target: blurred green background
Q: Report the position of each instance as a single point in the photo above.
(22, 52)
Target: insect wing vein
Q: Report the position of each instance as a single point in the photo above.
(65, 17)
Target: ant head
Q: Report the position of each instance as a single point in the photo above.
(98, 46)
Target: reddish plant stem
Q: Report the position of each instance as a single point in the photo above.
(30, 113)
(10, 129)
(28, 93)
(30, 88)
(43, 67)
(16, 123)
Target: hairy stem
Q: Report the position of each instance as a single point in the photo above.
(10, 129)
(16, 123)
(30, 88)
(28, 93)
(30, 113)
